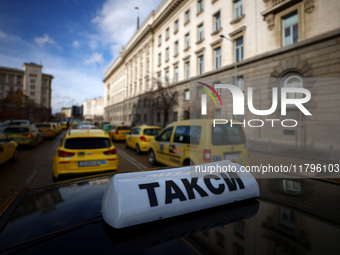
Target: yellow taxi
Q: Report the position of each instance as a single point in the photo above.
(57, 127)
(192, 142)
(140, 137)
(24, 135)
(119, 132)
(8, 149)
(46, 129)
(64, 125)
(85, 151)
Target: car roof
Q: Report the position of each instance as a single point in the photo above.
(77, 133)
(145, 127)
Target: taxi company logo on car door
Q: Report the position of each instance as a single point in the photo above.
(204, 97)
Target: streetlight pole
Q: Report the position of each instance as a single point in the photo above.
(235, 57)
(137, 8)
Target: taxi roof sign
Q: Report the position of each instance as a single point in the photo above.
(140, 197)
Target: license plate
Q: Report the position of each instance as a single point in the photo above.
(233, 156)
(91, 163)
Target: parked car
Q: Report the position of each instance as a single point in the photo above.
(64, 125)
(56, 128)
(85, 151)
(8, 149)
(47, 130)
(140, 138)
(108, 127)
(13, 122)
(197, 141)
(24, 134)
(119, 132)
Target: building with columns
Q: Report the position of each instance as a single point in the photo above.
(93, 109)
(267, 43)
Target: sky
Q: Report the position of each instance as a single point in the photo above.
(76, 41)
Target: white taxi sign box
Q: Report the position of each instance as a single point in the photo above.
(135, 198)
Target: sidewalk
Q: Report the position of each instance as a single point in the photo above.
(323, 156)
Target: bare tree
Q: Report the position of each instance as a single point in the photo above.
(165, 98)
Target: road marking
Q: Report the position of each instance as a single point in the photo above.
(29, 179)
(131, 159)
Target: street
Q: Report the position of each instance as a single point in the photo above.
(34, 166)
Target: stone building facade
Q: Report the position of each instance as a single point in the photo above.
(25, 93)
(270, 43)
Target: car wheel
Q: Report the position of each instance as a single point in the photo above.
(188, 162)
(126, 145)
(152, 158)
(138, 149)
(15, 156)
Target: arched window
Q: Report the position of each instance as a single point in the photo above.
(293, 80)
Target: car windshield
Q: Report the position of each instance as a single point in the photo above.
(151, 131)
(42, 125)
(225, 135)
(14, 130)
(87, 143)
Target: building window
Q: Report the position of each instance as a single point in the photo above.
(187, 40)
(167, 33)
(200, 6)
(186, 115)
(175, 117)
(239, 49)
(287, 218)
(32, 93)
(290, 29)
(217, 58)
(239, 228)
(186, 94)
(158, 117)
(11, 79)
(167, 77)
(217, 21)
(159, 59)
(220, 240)
(291, 187)
(293, 81)
(145, 117)
(176, 74)
(19, 78)
(167, 54)
(200, 64)
(176, 26)
(187, 69)
(2, 77)
(32, 87)
(176, 48)
(159, 40)
(159, 79)
(238, 8)
(200, 32)
(187, 17)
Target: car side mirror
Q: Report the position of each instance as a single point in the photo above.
(157, 138)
